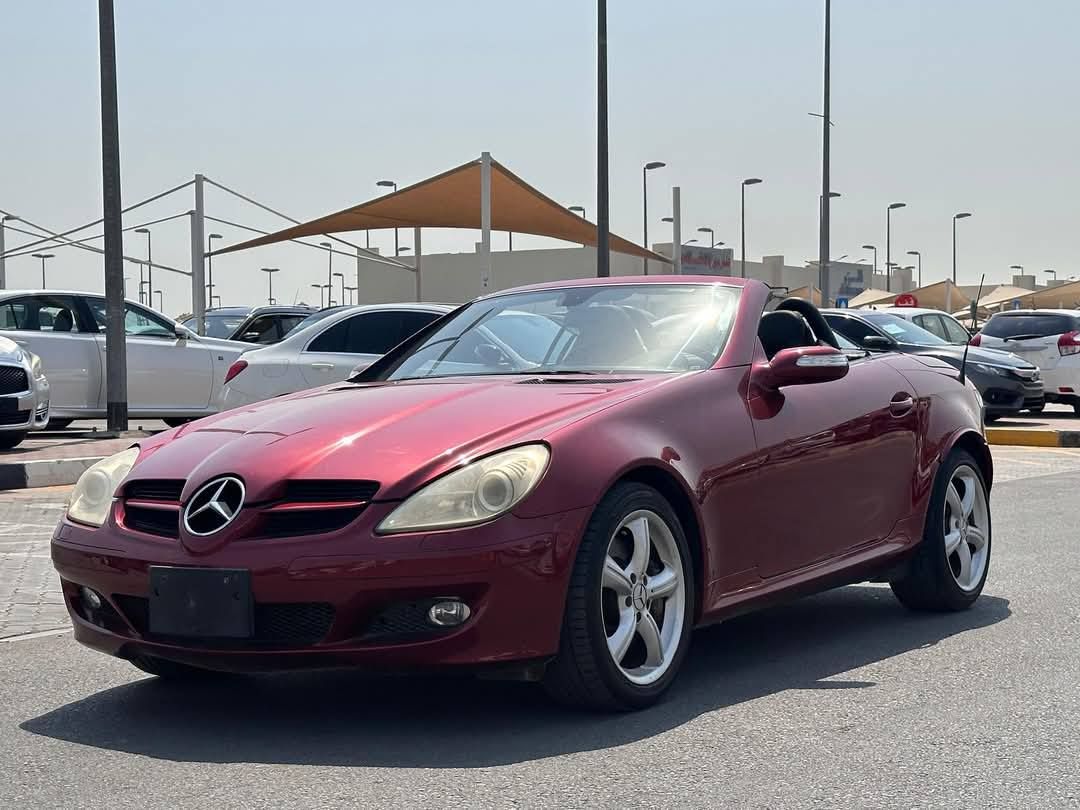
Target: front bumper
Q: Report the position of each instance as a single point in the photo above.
(347, 599)
(1002, 395)
(30, 411)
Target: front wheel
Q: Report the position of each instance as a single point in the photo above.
(176, 421)
(11, 438)
(950, 566)
(629, 608)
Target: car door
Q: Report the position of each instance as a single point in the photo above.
(166, 374)
(363, 337)
(836, 461)
(933, 324)
(56, 329)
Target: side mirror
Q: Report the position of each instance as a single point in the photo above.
(181, 332)
(878, 343)
(805, 365)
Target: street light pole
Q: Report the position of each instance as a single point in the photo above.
(750, 181)
(210, 261)
(320, 288)
(648, 167)
(393, 185)
(3, 271)
(712, 235)
(161, 301)
(1051, 272)
(918, 255)
(888, 243)
(962, 215)
(330, 272)
(149, 268)
(873, 248)
(112, 213)
(342, 277)
(823, 240)
(270, 282)
(603, 241)
(44, 257)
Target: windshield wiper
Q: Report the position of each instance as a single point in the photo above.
(1023, 337)
(548, 372)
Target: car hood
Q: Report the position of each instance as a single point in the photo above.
(399, 434)
(10, 351)
(955, 355)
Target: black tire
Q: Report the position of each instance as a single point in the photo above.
(58, 424)
(928, 583)
(1036, 409)
(176, 421)
(991, 417)
(1076, 408)
(173, 671)
(583, 673)
(11, 438)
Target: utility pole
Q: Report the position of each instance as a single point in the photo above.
(112, 208)
(603, 226)
(823, 237)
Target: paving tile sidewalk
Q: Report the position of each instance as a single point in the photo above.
(30, 598)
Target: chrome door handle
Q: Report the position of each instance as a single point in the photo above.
(901, 404)
(322, 366)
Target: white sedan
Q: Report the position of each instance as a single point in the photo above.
(24, 394)
(324, 349)
(173, 374)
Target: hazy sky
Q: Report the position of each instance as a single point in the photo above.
(947, 105)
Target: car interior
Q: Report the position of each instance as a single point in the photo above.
(793, 324)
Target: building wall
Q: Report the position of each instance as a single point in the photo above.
(456, 277)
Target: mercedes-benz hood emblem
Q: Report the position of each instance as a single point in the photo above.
(214, 506)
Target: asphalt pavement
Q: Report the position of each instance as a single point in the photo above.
(840, 700)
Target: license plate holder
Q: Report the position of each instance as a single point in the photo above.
(200, 602)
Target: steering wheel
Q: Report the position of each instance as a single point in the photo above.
(813, 317)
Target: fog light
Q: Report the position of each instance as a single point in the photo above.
(448, 613)
(91, 598)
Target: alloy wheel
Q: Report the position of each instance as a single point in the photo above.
(966, 528)
(643, 597)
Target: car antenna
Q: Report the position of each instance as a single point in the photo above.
(963, 362)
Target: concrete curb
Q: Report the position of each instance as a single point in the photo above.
(46, 473)
(1029, 437)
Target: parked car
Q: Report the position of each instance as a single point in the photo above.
(568, 512)
(1008, 384)
(324, 349)
(173, 374)
(24, 394)
(934, 321)
(1049, 338)
(261, 325)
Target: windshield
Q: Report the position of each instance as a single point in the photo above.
(315, 317)
(1030, 325)
(902, 331)
(218, 326)
(595, 329)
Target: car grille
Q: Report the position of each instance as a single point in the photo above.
(276, 624)
(306, 507)
(402, 621)
(151, 490)
(13, 380)
(158, 522)
(17, 418)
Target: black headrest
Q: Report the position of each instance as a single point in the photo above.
(782, 329)
(63, 322)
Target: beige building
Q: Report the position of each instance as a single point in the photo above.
(456, 277)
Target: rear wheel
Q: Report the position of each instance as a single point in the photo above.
(1036, 409)
(949, 569)
(11, 438)
(176, 421)
(630, 605)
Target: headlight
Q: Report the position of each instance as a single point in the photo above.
(93, 493)
(477, 492)
(985, 369)
(35, 366)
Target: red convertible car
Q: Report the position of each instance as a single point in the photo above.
(555, 483)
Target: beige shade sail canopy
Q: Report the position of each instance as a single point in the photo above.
(871, 296)
(452, 200)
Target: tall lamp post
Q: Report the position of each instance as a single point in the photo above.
(270, 282)
(578, 209)
(826, 122)
(352, 290)
(712, 235)
(320, 288)
(648, 167)
(342, 277)
(330, 272)
(888, 242)
(210, 262)
(873, 248)
(750, 181)
(44, 258)
(918, 256)
(149, 267)
(603, 225)
(1051, 272)
(962, 215)
(161, 300)
(3, 272)
(393, 185)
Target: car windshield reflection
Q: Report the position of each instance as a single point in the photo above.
(639, 328)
